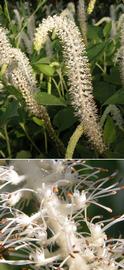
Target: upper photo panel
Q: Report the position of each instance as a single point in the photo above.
(62, 79)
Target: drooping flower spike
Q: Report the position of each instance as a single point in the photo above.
(18, 73)
(81, 91)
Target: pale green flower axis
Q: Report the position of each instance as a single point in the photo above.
(82, 18)
(81, 91)
(121, 51)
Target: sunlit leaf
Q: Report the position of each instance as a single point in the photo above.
(109, 131)
(46, 99)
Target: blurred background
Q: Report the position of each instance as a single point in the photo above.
(101, 6)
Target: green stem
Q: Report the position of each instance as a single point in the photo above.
(25, 24)
(49, 86)
(6, 10)
(73, 141)
(45, 140)
(29, 138)
(7, 141)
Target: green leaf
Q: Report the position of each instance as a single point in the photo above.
(117, 98)
(5, 267)
(93, 33)
(107, 29)
(47, 99)
(23, 154)
(119, 148)
(113, 77)
(64, 119)
(6, 10)
(1, 10)
(45, 69)
(103, 90)
(43, 60)
(109, 131)
(110, 49)
(96, 51)
(13, 91)
(11, 111)
(38, 121)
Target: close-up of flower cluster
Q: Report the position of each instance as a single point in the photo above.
(61, 79)
(61, 135)
(59, 231)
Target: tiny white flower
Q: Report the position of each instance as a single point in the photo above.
(10, 199)
(97, 235)
(10, 176)
(38, 257)
(79, 199)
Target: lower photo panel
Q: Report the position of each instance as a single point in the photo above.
(62, 214)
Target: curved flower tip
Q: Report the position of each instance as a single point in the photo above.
(91, 6)
(80, 80)
(37, 45)
(19, 73)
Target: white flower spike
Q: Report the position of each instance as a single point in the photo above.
(78, 71)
